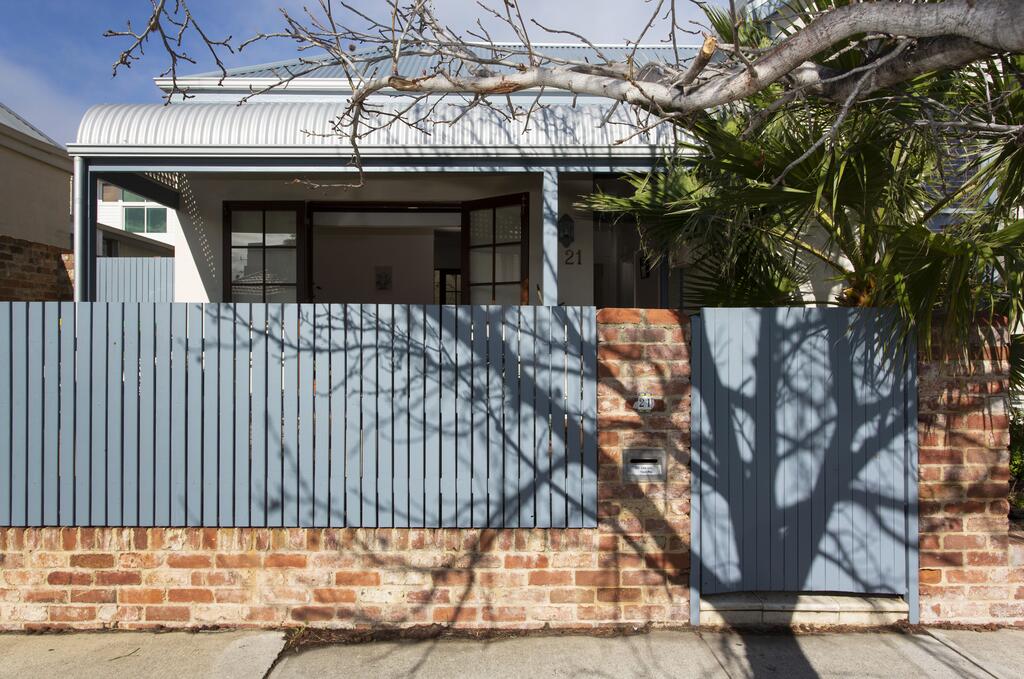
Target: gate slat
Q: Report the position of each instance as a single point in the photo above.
(764, 451)
(34, 419)
(51, 413)
(559, 449)
(574, 418)
(115, 412)
(589, 347)
(353, 414)
(132, 402)
(464, 416)
(511, 448)
(194, 415)
(66, 444)
(402, 348)
(7, 363)
(306, 428)
(448, 393)
(273, 414)
(232, 496)
(18, 451)
(259, 478)
(385, 416)
(542, 414)
(322, 415)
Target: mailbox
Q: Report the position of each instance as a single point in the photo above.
(643, 465)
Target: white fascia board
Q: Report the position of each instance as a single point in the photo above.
(396, 152)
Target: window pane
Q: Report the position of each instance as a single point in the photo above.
(480, 266)
(507, 260)
(130, 197)
(481, 223)
(156, 219)
(246, 293)
(246, 227)
(280, 227)
(135, 219)
(281, 265)
(506, 294)
(480, 294)
(247, 265)
(281, 293)
(509, 224)
(110, 193)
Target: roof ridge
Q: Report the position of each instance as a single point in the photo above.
(42, 135)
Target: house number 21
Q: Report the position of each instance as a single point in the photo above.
(574, 257)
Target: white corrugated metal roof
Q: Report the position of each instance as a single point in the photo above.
(275, 128)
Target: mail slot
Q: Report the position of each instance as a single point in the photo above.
(643, 465)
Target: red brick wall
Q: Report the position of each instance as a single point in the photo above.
(971, 571)
(633, 568)
(34, 271)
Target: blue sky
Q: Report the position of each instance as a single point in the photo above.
(55, 62)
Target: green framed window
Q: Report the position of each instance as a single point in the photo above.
(145, 219)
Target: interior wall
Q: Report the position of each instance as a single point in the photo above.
(345, 266)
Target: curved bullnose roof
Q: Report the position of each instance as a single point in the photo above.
(305, 128)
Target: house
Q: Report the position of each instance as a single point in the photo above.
(35, 223)
(129, 225)
(478, 210)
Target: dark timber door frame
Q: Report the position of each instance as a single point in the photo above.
(492, 204)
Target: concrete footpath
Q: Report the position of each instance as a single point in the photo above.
(940, 653)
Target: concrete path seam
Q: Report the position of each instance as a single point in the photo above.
(945, 641)
(713, 654)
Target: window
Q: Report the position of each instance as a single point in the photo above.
(495, 238)
(263, 253)
(447, 286)
(145, 219)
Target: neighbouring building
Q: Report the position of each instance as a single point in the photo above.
(35, 222)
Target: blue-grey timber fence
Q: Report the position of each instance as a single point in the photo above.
(142, 414)
(135, 279)
(804, 454)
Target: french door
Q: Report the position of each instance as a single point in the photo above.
(495, 250)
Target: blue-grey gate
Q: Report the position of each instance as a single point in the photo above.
(804, 454)
(134, 279)
(297, 415)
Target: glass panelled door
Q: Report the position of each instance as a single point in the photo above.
(263, 252)
(495, 259)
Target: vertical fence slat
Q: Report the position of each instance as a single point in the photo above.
(163, 403)
(496, 420)
(481, 422)
(574, 418)
(590, 377)
(259, 480)
(66, 444)
(148, 359)
(385, 416)
(34, 419)
(528, 416)
(417, 374)
(179, 413)
(7, 397)
(290, 349)
(115, 412)
(275, 432)
(212, 486)
(229, 499)
(194, 416)
(339, 394)
(464, 417)
(510, 445)
(353, 413)
(438, 412)
(18, 450)
(368, 318)
(559, 448)
(130, 437)
(400, 430)
(235, 433)
(449, 391)
(98, 471)
(322, 416)
(305, 392)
